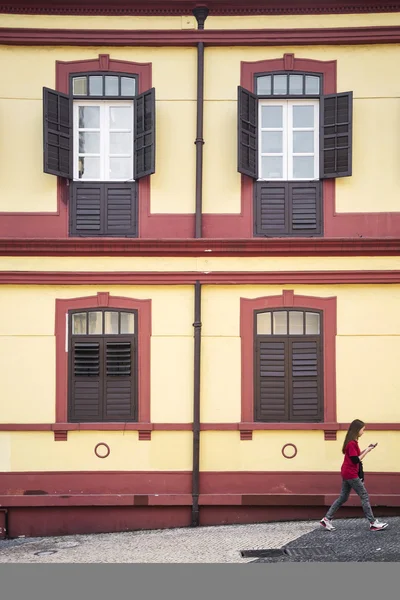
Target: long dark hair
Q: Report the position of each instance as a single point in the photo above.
(352, 433)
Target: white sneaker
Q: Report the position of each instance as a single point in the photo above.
(327, 523)
(377, 526)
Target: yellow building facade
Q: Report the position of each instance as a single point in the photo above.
(199, 262)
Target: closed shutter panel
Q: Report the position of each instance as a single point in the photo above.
(119, 380)
(86, 380)
(271, 396)
(271, 214)
(57, 136)
(247, 133)
(336, 135)
(305, 362)
(305, 204)
(120, 217)
(87, 209)
(145, 134)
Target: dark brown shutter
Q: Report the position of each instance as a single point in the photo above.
(145, 134)
(119, 381)
(57, 134)
(86, 380)
(305, 361)
(120, 209)
(305, 208)
(271, 380)
(247, 133)
(87, 207)
(272, 208)
(336, 135)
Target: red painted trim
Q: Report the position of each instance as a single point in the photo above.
(201, 247)
(144, 333)
(288, 299)
(189, 278)
(184, 7)
(213, 38)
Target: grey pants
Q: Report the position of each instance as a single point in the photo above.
(358, 486)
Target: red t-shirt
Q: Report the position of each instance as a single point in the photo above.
(349, 470)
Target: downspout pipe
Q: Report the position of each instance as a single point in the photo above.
(196, 405)
(200, 13)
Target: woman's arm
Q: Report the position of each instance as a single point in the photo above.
(366, 451)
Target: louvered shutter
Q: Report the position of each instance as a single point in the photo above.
(120, 209)
(57, 134)
(86, 380)
(305, 379)
(119, 381)
(305, 208)
(247, 133)
(87, 209)
(145, 134)
(272, 209)
(271, 380)
(336, 135)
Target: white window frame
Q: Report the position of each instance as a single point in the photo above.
(104, 155)
(287, 141)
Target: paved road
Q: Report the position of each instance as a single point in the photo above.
(293, 542)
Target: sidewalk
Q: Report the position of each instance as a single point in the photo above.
(302, 542)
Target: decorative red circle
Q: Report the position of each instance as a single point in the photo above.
(287, 446)
(107, 449)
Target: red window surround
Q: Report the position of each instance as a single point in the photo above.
(103, 299)
(288, 300)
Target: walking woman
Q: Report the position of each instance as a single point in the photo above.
(353, 478)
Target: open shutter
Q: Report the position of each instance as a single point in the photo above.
(87, 209)
(305, 208)
(119, 390)
(120, 209)
(305, 364)
(336, 135)
(57, 136)
(86, 380)
(145, 134)
(247, 133)
(271, 380)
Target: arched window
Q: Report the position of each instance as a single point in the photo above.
(102, 365)
(288, 366)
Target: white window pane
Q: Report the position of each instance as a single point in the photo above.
(295, 322)
(79, 324)
(79, 86)
(271, 167)
(264, 85)
(303, 167)
(271, 141)
(111, 323)
(120, 143)
(128, 86)
(312, 85)
(89, 117)
(312, 324)
(120, 117)
(95, 323)
(271, 116)
(280, 85)
(303, 116)
(280, 323)
(95, 85)
(89, 167)
(295, 84)
(264, 323)
(89, 142)
(111, 85)
(127, 323)
(121, 168)
(303, 141)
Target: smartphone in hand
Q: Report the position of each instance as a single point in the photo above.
(373, 445)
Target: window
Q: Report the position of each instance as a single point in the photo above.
(290, 137)
(101, 137)
(288, 366)
(102, 365)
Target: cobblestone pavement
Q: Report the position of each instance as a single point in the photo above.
(300, 541)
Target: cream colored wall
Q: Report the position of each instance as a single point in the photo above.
(21, 124)
(106, 22)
